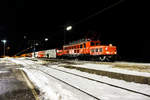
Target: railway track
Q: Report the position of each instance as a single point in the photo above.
(70, 85)
(102, 82)
(64, 82)
(130, 90)
(74, 61)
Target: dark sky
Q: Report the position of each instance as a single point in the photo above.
(126, 25)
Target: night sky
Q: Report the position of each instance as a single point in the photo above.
(125, 25)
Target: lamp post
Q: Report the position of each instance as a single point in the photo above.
(4, 41)
(35, 43)
(68, 28)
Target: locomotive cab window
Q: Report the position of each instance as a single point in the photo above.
(92, 43)
(97, 43)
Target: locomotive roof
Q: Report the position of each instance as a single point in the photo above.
(79, 42)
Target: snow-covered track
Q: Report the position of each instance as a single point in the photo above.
(130, 90)
(69, 84)
(71, 61)
(127, 89)
(52, 72)
(63, 81)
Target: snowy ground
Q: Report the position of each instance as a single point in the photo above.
(52, 89)
(110, 68)
(133, 63)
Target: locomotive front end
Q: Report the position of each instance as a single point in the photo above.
(104, 52)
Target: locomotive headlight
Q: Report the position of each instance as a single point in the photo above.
(115, 52)
(107, 52)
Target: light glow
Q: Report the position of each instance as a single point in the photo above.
(46, 39)
(69, 28)
(4, 41)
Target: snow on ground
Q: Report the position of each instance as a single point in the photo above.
(134, 63)
(99, 90)
(143, 88)
(109, 68)
(55, 90)
(4, 72)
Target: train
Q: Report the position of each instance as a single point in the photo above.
(85, 49)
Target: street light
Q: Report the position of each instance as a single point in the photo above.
(68, 28)
(46, 39)
(4, 41)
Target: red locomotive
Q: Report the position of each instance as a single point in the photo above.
(88, 49)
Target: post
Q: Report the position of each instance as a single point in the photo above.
(4, 41)
(64, 36)
(4, 49)
(34, 48)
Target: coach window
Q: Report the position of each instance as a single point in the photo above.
(92, 43)
(81, 46)
(100, 49)
(96, 49)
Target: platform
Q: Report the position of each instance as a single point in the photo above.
(12, 83)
